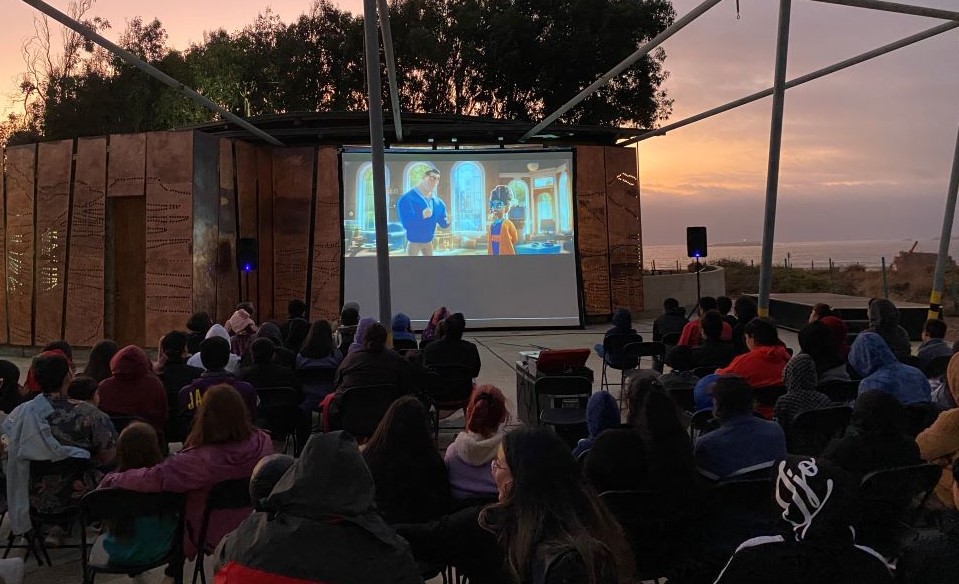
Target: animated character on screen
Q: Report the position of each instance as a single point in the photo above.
(502, 236)
(420, 212)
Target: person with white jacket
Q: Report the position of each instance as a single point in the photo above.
(469, 457)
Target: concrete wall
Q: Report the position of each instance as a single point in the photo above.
(682, 287)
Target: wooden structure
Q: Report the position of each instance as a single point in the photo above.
(125, 236)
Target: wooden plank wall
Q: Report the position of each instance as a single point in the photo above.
(325, 288)
(205, 224)
(293, 189)
(624, 228)
(246, 179)
(264, 236)
(54, 168)
(227, 281)
(4, 333)
(20, 195)
(591, 229)
(126, 199)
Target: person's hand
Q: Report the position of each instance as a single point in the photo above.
(427, 213)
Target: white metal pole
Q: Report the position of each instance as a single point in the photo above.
(387, 33)
(897, 7)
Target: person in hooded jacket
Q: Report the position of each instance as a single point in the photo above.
(602, 413)
(242, 330)
(199, 325)
(281, 355)
(449, 348)
(98, 363)
(401, 328)
(763, 365)
(10, 390)
(884, 321)
(939, 443)
(134, 390)
(672, 320)
(872, 358)
(216, 354)
(430, 332)
(818, 341)
(344, 335)
(320, 524)
(296, 310)
(468, 456)
(801, 395)
(818, 541)
(232, 366)
(692, 334)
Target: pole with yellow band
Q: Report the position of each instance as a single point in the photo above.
(935, 304)
(938, 280)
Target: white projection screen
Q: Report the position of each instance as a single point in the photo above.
(489, 233)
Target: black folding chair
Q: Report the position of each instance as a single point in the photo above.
(702, 422)
(569, 421)
(671, 339)
(705, 370)
(683, 396)
(741, 508)
(889, 499)
(840, 391)
(811, 431)
(937, 367)
(400, 345)
(280, 413)
(316, 376)
(448, 388)
(229, 494)
(919, 417)
(361, 408)
(120, 505)
(614, 348)
(654, 349)
(765, 397)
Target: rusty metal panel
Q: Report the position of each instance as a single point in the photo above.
(325, 286)
(54, 167)
(591, 229)
(206, 186)
(227, 282)
(247, 224)
(127, 159)
(625, 251)
(264, 226)
(21, 193)
(4, 336)
(292, 201)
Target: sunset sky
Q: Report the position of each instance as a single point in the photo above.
(866, 152)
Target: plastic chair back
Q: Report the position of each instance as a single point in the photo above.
(840, 391)
(888, 497)
(615, 353)
(811, 431)
(362, 407)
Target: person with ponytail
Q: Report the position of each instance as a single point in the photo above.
(468, 457)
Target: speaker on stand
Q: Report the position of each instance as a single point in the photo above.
(246, 261)
(696, 248)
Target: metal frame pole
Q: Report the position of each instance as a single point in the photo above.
(623, 65)
(861, 58)
(378, 158)
(150, 70)
(935, 296)
(775, 146)
(384, 11)
(896, 7)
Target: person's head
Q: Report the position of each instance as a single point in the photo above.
(10, 391)
(241, 323)
(403, 432)
(637, 392)
(545, 498)
(453, 327)
(60, 345)
(319, 341)
(680, 358)
(883, 314)
(486, 411)
(724, 304)
(262, 351)
(131, 362)
(375, 338)
(622, 319)
(52, 373)
(934, 329)
(438, 315)
(247, 307)
(271, 332)
(296, 308)
(761, 332)
(215, 353)
(732, 397)
(400, 323)
(745, 309)
(138, 447)
(817, 340)
(707, 303)
(296, 334)
(869, 353)
(350, 315)
(173, 346)
(820, 310)
(799, 374)
(83, 388)
(878, 413)
(818, 500)
(222, 418)
(602, 413)
(98, 364)
(670, 304)
(431, 178)
(265, 475)
(711, 325)
(199, 322)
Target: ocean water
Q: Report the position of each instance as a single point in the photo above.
(800, 254)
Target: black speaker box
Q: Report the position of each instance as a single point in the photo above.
(246, 257)
(696, 242)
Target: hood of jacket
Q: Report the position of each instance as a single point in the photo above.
(401, 327)
(883, 314)
(817, 499)
(269, 330)
(800, 373)
(240, 322)
(602, 413)
(869, 353)
(622, 319)
(475, 450)
(217, 330)
(771, 353)
(359, 338)
(130, 362)
(952, 377)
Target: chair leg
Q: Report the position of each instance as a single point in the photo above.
(198, 568)
(604, 383)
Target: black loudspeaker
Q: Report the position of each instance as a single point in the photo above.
(246, 254)
(696, 242)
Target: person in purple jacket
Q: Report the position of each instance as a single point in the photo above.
(468, 457)
(215, 353)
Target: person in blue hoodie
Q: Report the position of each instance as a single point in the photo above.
(874, 360)
(602, 413)
(420, 212)
(622, 325)
(401, 328)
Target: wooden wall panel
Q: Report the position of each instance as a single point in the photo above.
(128, 250)
(85, 281)
(169, 232)
(54, 167)
(127, 159)
(325, 287)
(205, 201)
(591, 230)
(227, 288)
(4, 336)
(292, 203)
(21, 193)
(247, 222)
(264, 227)
(622, 203)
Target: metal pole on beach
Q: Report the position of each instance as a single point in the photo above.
(378, 157)
(935, 296)
(885, 283)
(775, 147)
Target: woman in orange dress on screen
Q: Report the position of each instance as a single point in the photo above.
(501, 233)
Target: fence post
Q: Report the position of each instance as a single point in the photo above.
(885, 284)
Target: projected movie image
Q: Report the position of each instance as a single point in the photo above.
(459, 204)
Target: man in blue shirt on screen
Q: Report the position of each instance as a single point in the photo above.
(420, 212)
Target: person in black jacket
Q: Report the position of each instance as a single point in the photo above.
(712, 350)
(264, 372)
(450, 348)
(672, 320)
(175, 374)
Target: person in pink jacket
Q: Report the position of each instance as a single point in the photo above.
(222, 445)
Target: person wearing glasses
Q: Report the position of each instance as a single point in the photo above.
(420, 213)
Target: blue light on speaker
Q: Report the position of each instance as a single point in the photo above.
(696, 255)
(247, 268)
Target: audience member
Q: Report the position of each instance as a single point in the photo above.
(799, 377)
(296, 311)
(324, 503)
(401, 328)
(281, 355)
(763, 365)
(703, 392)
(602, 413)
(468, 457)
(265, 373)
(410, 477)
(98, 363)
(876, 437)
(712, 350)
(872, 358)
(745, 310)
(359, 339)
(429, 331)
(449, 348)
(215, 353)
(820, 311)
(743, 442)
(818, 341)
(175, 374)
(84, 389)
(134, 390)
(146, 539)
(933, 342)
(222, 445)
(692, 333)
(199, 325)
(62, 346)
(372, 364)
(818, 545)
(233, 365)
(552, 525)
(318, 352)
(346, 331)
(293, 340)
(939, 443)
(242, 330)
(622, 325)
(724, 304)
(946, 395)
(266, 474)
(31, 385)
(11, 393)
(884, 321)
(672, 320)
(680, 361)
